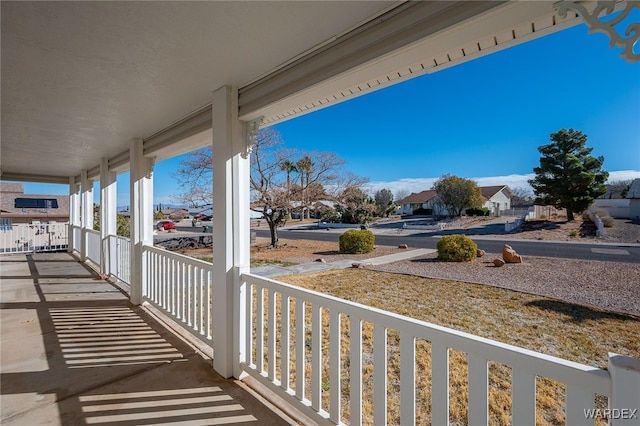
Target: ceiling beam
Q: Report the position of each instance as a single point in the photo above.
(28, 177)
(394, 30)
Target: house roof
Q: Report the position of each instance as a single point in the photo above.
(9, 188)
(425, 196)
(490, 191)
(634, 190)
(419, 197)
(8, 205)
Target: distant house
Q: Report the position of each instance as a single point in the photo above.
(633, 195)
(18, 207)
(496, 198)
(415, 201)
(175, 213)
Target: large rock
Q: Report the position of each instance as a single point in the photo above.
(498, 262)
(510, 255)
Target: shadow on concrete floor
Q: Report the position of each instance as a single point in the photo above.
(76, 352)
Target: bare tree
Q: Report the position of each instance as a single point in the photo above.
(618, 188)
(269, 194)
(195, 176)
(521, 197)
(401, 194)
(272, 192)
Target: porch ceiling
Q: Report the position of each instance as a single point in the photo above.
(81, 79)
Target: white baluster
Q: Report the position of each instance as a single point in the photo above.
(379, 374)
(407, 379)
(439, 384)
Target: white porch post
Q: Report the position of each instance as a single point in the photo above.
(86, 203)
(141, 210)
(107, 215)
(625, 390)
(74, 215)
(230, 232)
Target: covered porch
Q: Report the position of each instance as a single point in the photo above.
(91, 90)
(76, 351)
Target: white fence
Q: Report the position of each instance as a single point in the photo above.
(33, 238)
(283, 346)
(181, 287)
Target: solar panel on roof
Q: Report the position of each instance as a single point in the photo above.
(36, 203)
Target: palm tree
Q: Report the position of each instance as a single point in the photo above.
(304, 166)
(289, 167)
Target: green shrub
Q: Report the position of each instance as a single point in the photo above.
(357, 241)
(457, 248)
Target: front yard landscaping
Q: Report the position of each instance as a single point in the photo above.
(578, 333)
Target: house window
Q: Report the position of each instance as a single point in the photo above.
(36, 203)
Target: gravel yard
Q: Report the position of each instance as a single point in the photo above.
(606, 285)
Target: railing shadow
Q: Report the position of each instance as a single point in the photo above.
(578, 313)
(101, 360)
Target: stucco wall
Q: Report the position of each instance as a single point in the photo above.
(618, 208)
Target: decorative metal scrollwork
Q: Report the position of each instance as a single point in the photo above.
(252, 133)
(595, 24)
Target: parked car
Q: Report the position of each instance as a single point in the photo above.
(166, 225)
(202, 217)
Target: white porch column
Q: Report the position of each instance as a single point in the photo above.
(74, 215)
(141, 210)
(625, 390)
(86, 219)
(108, 196)
(230, 232)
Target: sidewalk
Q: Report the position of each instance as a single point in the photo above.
(272, 271)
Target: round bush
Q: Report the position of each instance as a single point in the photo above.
(457, 248)
(357, 242)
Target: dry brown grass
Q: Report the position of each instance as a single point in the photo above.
(545, 325)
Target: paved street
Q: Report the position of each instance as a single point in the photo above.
(604, 252)
(392, 236)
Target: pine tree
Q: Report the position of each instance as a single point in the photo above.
(568, 176)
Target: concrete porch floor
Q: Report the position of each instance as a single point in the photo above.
(74, 351)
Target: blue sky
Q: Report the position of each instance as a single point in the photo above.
(483, 119)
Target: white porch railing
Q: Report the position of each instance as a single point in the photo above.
(326, 353)
(76, 237)
(93, 246)
(33, 238)
(285, 365)
(181, 287)
(120, 257)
